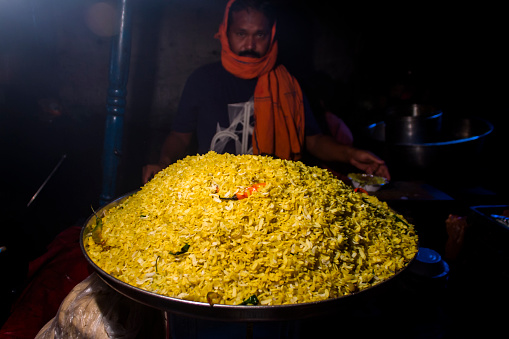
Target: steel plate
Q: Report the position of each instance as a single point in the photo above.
(232, 313)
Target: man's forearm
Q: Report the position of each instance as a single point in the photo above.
(174, 148)
(326, 149)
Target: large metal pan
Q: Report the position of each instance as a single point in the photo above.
(219, 312)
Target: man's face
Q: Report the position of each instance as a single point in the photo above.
(249, 34)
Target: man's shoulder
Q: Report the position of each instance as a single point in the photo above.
(212, 69)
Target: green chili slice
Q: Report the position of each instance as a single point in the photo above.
(183, 250)
(158, 257)
(252, 300)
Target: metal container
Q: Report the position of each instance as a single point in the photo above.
(455, 151)
(412, 124)
(232, 313)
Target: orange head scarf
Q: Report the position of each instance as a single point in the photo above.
(278, 101)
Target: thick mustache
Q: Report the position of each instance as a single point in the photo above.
(250, 53)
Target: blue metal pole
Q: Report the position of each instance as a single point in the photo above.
(116, 101)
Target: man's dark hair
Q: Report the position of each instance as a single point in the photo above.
(263, 6)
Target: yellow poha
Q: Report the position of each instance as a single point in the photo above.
(303, 236)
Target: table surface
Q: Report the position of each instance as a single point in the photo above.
(410, 190)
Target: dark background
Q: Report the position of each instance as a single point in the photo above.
(362, 59)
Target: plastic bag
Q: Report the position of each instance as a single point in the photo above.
(94, 310)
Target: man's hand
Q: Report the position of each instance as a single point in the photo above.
(174, 147)
(326, 148)
(369, 163)
(149, 171)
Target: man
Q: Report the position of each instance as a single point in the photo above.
(248, 104)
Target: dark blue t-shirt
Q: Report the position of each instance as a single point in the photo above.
(204, 105)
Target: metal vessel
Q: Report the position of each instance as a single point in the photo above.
(232, 313)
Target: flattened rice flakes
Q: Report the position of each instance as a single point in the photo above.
(304, 236)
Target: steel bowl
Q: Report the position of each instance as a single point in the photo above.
(219, 312)
(363, 180)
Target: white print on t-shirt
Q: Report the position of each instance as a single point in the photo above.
(240, 129)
